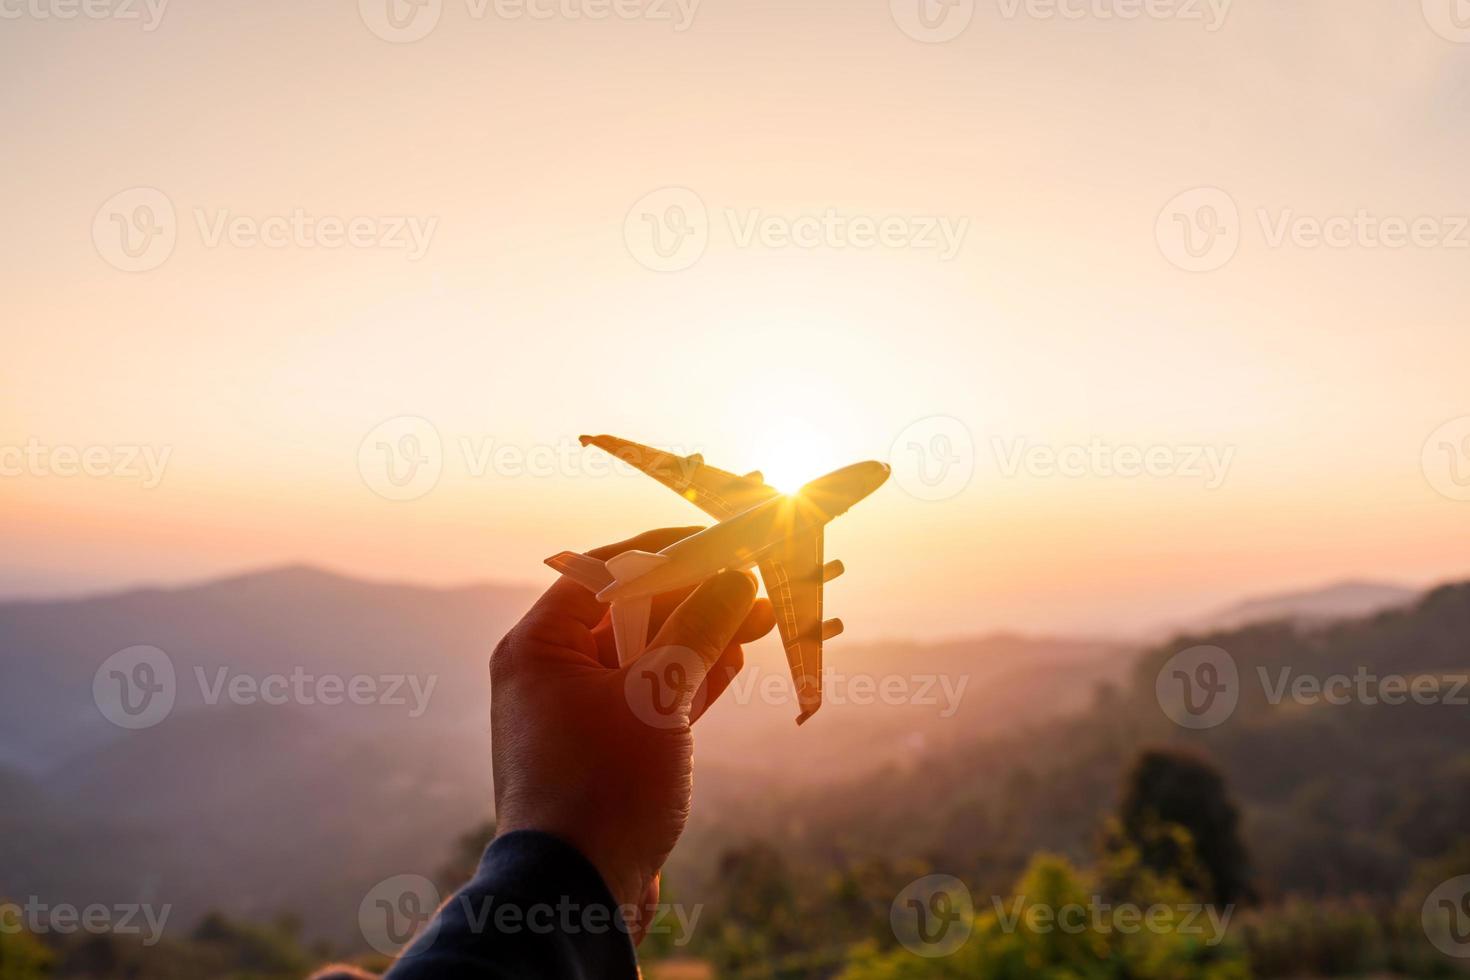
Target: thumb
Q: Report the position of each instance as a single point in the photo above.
(697, 633)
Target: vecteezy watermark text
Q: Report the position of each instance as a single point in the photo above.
(934, 916)
(1210, 13)
(406, 21)
(137, 229)
(300, 687)
(1098, 915)
(123, 462)
(149, 13)
(1097, 458)
(1201, 687)
(124, 919)
(1364, 687)
(669, 230)
(1200, 230)
(568, 918)
(937, 21)
(662, 691)
(398, 909)
(404, 457)
(137, 687)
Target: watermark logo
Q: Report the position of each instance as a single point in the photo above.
(135, 230)
(1198, 688)
(1446, 459)
(933, 458)
(402, 458)
(1450, 19)
(933, 916)
(932, 21)
(1199, 230)
(400, 21)
(662, 685)
(135, 688)
(397, 909)
(667, 230)
(1446, 917)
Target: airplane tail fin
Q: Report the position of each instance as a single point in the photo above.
(630, 627)
(629, 616)
(631, 564)
(582, 569)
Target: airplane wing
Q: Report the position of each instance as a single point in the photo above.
(794, 575)
(794, 572)
(718, 493)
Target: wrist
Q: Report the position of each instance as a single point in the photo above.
(626, 885)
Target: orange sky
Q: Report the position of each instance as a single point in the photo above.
(1058, 318)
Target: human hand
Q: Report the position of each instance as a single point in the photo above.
(575, 752)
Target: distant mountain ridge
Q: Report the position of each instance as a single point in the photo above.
(259, 623)
(1350, 599)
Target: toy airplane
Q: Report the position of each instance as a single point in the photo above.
(758, 525)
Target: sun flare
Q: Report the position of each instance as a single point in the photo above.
(791, 454)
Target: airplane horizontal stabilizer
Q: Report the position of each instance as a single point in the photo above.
(582, 569)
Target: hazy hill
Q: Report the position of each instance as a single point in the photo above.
(935, 694)
(999, 745)
(1309, 607)
(256, 808)
(1337, 798)
(259, 808)
(260, 624)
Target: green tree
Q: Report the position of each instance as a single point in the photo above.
(22, 957)
(1166, 790)
(1023, 939)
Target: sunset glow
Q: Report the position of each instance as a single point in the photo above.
(523, 313)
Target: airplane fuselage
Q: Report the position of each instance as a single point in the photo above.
(741, 541)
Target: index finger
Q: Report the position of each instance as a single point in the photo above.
(701, 629)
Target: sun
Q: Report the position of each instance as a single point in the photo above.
(791, 428)
(790, 453)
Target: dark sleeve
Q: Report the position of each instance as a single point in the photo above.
(536, 908)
